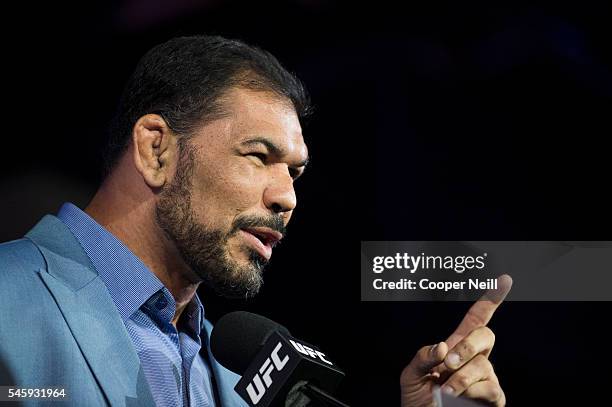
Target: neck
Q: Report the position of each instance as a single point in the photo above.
(120, 208)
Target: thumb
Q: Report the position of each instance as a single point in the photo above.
(423, 362)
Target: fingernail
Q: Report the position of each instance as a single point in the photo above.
(453, 359)
(448, 389)
(432, 350)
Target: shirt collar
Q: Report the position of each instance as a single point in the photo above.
(130, 283)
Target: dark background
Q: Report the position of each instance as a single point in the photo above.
(433, 122)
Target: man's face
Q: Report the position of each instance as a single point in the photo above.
(232, 193)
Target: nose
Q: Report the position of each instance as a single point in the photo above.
(279, 195)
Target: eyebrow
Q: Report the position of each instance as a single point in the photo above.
(274, 149)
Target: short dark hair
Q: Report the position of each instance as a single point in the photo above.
(183, 79)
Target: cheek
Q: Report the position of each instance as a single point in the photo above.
(224, 192)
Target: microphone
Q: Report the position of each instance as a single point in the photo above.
(276, 368)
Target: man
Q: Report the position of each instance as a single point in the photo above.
(204, 151)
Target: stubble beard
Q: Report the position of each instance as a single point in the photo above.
(204, 251)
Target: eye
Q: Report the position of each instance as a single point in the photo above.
(294, 173)
(260, 156)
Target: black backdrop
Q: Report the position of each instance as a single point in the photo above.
(439, 122)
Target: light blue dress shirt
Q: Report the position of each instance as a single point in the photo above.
(170, 358)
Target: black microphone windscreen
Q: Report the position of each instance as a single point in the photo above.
(238, 336)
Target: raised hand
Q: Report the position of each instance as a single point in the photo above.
(460, 364)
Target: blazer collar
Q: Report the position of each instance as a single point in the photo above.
(90, 314)
(96, 323)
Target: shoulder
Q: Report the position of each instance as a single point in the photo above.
(20, 253)
(19, 261)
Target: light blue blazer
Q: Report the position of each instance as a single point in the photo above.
(59, 326)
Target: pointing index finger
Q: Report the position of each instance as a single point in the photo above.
(481, 311)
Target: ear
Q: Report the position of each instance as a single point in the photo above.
(154, 149)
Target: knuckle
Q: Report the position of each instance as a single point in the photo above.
(495, 392)
(489, 333)
(502, 399)
(463, 382)
(418, 355)
(484, 364)
(467, 349)
(481, 360)
(475, 319)
(421, 357)
(424, 350)
(492, 374)
(487, 391)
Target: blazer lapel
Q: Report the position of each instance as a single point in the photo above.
(91, 315)
(225, 379)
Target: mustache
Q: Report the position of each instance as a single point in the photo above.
(274, 222)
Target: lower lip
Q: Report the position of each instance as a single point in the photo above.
(264, 250)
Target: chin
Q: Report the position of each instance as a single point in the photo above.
(246, 257)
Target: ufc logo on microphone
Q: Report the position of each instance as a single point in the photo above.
(271, 363)
(308, 351)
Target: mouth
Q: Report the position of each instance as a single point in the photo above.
(262, 239)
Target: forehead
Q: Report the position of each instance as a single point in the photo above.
(263, 114)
